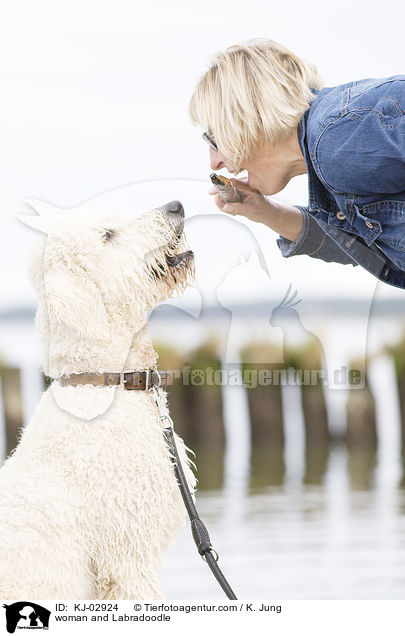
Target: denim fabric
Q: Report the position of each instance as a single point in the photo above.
(353, 141)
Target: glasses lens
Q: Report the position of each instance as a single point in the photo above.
(210, 141)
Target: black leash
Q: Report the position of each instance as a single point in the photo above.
(198, 529)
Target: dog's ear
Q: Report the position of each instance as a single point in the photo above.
(77, 303)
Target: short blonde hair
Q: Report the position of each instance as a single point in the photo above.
(252, 93)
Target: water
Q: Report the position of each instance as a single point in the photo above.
(332, 540)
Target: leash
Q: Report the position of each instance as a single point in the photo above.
(198, 529)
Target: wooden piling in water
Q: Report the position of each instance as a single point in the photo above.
(12, 403)
(265, 413)
(174, 361)
(264, 395)
(204, 395)
(305, 363)
(195, 404)
(361, 465)
(316, 463)
(398, 354)
(360, 409)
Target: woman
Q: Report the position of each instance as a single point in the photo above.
(264, 110)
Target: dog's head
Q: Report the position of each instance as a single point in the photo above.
(99, 275)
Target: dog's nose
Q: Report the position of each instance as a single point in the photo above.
(175, 208)
(175, 214)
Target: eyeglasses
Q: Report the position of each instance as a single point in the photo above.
(207, 136)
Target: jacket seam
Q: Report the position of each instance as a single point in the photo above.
(385, 81)
(313, 155)
(294, 251)
(319, 246)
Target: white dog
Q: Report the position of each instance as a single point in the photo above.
(89, 501)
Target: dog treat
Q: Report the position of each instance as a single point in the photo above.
(226, 190)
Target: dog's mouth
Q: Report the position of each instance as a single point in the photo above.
(176, 260)
(173, 260)
(174, 265)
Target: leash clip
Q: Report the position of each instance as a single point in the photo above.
(163, 416)
(149, 375)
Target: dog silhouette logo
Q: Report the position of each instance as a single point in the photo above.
(26, 615)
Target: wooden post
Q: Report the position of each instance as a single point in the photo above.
(264, 395)
(203, 386)
(316, 463)
(265, 411)
(195, 405)
(361, 465)
(398, 354)
(360, 409)
(11, 389)
(172, 360)
(307, 363)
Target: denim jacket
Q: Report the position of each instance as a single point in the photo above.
(353, 141)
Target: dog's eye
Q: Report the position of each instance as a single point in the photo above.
(108, 234)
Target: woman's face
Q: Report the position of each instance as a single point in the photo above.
(272, 167)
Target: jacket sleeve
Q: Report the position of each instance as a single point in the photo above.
(313, 241)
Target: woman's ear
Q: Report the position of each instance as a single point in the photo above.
(74, 300)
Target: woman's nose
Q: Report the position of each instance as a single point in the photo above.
(216, 160)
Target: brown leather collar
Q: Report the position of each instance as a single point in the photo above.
(129, 380)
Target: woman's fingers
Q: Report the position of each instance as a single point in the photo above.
(243, 181)
(233, 208)
(243, 186)
(219, 203)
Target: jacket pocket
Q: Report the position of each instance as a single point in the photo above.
(390, 216)
(365, 224)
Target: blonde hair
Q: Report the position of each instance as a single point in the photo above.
(252, 93)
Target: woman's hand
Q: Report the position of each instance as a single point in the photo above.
(283, 218)
(254, 205)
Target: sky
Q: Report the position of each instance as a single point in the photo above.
(94, 99)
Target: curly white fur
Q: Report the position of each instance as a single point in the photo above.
(89, 502)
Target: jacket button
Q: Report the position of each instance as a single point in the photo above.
(340, 215)
(369, 224)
